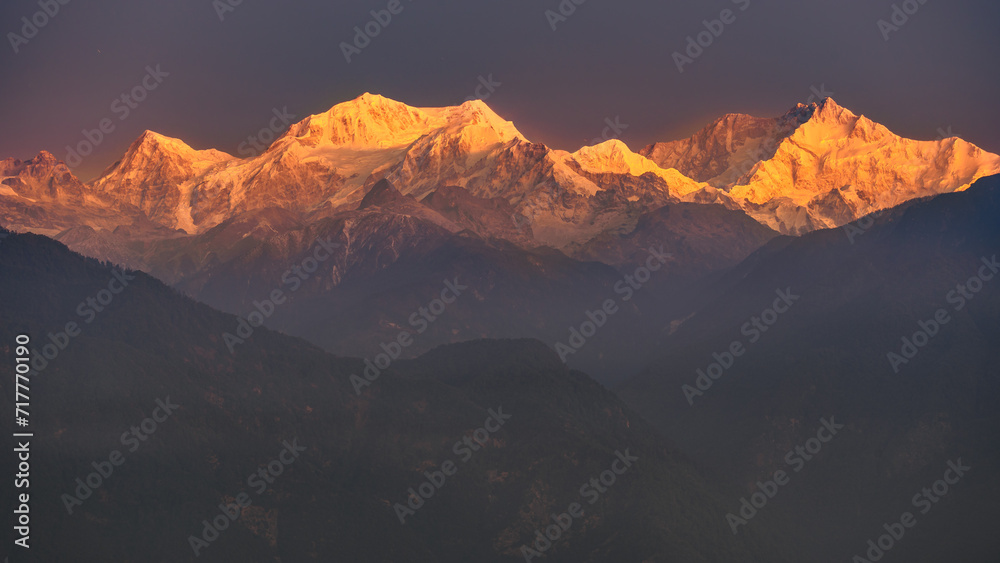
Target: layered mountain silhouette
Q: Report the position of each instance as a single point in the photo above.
(360, 454)
(861, 292)
(592, 292)
(409, 192)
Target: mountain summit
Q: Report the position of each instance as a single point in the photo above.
(374, 122)
(367, 122)
(817, 166)
(329, 159)
(156, 175)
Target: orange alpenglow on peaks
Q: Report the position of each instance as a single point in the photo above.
(817, 166)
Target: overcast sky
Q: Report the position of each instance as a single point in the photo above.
(607, 60)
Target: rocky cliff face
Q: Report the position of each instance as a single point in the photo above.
(43, 195)
(726, 149)
(157, 174)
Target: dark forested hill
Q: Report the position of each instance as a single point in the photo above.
(892, 326)
(169, 432)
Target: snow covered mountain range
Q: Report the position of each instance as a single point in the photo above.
(817, 166)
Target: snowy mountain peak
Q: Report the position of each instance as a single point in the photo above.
(375, 122)
(829, 103)
(614, 157)
(838, 166)
(151, 146)
(151, 172)
(43, 165)
(474, 127)
(830, 124)
(829, 111)
(45, 157)
(818, 165)
(153, 141)
(368, 121)
(477, 113)
(826, 110)
(42, 195)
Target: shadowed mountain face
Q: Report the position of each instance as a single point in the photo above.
(340, 462)
(728, 148)
(385, 280)
(390, 257)
(926, 273)
(493, 218)
(701, 238)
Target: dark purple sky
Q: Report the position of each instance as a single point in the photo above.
(609, 59)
